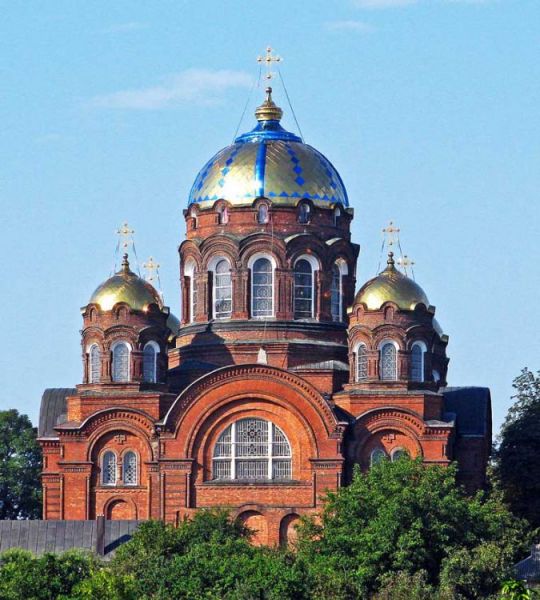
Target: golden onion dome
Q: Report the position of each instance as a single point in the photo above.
(391, 285)
(126, 286)
(268, 162)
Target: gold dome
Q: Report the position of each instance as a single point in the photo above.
(391, 286)
(126, 286)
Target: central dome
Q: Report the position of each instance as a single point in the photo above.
(271, 162)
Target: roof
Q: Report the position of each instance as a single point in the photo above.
(53, 410)
(58, 536)
(325, 365)
(529, 568)
(472, 407)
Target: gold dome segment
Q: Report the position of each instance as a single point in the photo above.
(391, 285)
(126, 286)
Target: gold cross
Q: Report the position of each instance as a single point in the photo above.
(391, 234)
(268, 60)
(151, 269)
(126, 236)
(405, 262)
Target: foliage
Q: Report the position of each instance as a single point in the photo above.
(516, 590)
(20, 467)
(517, 467)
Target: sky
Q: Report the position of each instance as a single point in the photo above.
(429, 109)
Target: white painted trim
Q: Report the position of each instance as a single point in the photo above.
(251, 261)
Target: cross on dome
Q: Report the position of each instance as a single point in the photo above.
(268, 60)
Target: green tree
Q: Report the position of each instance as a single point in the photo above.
(20, 467)
(517, 467)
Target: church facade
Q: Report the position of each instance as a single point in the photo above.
(277, 380)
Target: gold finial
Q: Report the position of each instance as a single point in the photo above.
(268, 110)
(390, 262)
(151, 270)
(268, 60)
(125, 263)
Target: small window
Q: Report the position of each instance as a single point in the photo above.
(388, 359)
(262, 214)
(337, 216)
(361, 363)
(223, 215)
(130, 468)
(94, 366)
(193, 215)
(303, 290)
(120, 363)
(377, 456)
(336, 294)
(191, 285)
(304, 213)
(417, 362)
(399, 453)
(262, 288)
(436, 376)
(108, 468)
(222, 290)
(150, 354)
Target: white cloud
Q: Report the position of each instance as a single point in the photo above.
(198, 86)
(351, 25)
(124, 27)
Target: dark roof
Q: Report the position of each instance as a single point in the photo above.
(472, 407)
(325, 365)
(529, 568)
(53, 410)
(59, 536)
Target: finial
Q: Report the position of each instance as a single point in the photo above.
(268, 111)
(125, 263)
(390, 262)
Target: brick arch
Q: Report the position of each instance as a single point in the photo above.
(262, 242)
(258, 523)
(188, 249)
(218, 245)
(306, 243)
(287, 529)
(120, 508)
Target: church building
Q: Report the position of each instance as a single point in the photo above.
(280, 376)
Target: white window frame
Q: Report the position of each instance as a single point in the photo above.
(113, 347)
(356, 362)
(212, 266)
(90, 363)
(189, 271)
(423, 348)
(315, 266)
(156, 348)
(343, 270)
(380, 348)
(102, 463)
(273, 263)
(124, 456)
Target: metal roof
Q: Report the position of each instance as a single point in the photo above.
(53, 410)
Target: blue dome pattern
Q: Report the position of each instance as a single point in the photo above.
(271, 162)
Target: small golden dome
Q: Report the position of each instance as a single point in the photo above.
(268, 110)
(391, 286)
(126, 287)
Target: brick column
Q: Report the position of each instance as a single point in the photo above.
(240, 280)
(201, 281)
(283, 294)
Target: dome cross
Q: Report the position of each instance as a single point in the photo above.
(267, 61)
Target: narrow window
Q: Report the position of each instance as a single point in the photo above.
(222, 290)
(120, 363)
(150, 354)
(303, 290)
(94, 367)
(262, 214)
(417, 363)
(388, 358)
(377, 456)
(337, 216)
(223, 215)
(399, 453)
(130, 468)
(361, 363)
(336, 294)
(108, 468)
(304, 213)
(262, 288)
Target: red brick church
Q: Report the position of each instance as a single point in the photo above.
(277, 380)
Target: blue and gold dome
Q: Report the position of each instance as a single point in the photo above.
(271, 162)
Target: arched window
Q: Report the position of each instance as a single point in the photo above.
(337, 216)
(304, 297)
(377, 456)
(108, 468)
(336, 289)
(94, 364)
(150, 354)
(417, 361)
(262, 214)
(120, 362)
(129, 470)
(262, 288)
(252, 449)
(304, 213)
(223, 215)
(222, 295)
(189, 272)
(193, 215)
(388, 360)
(436, 376)
(398, 453)
(361, 363)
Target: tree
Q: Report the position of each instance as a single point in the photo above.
(405, 517)
(517, 467)
(20, 467)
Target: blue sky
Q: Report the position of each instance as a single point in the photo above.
(429, 109)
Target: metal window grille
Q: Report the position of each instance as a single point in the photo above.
(252, 449)
(336, 295)
(303, 290)
(94, 370)
(262, 288)
(361, 363)
(130, 468)
(222, 291)
(417, 363)
(120, 360)
(108, 469)
(388, 362)
(149, 364)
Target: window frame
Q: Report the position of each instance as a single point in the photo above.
(114, 346)
(357, 377)
(152, 344)
(315, 266)
(343, 270)
(106, 453)
(125, 454)
(212, 268)
(381, 366)
(251, 263)
(377, 451)
(422, 368)
(94, 346)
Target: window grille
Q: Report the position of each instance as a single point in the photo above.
(262, 288)
(377, 456)
(150, 364)
(120, 360)
(252, 449)
(417, 363)
(94, 371)
(108, 468)
(389, 362)
(361, 363)
(336, 295)
(222, 290)
(130, 468)
(303, 290)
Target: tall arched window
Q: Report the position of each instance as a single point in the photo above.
(223, 215)
(129, 468)
(388, 360)
(108, 468)
(377, 456)
(189, 273)
(222, 292)
(336, 289)
(262, 214)
(94, 364)
(337, 216)
(150, 355)
(304, 213)
(120, 362)
(417, 361)
(252, 449)
(304, 297)
(361, 362)
(262, 288)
